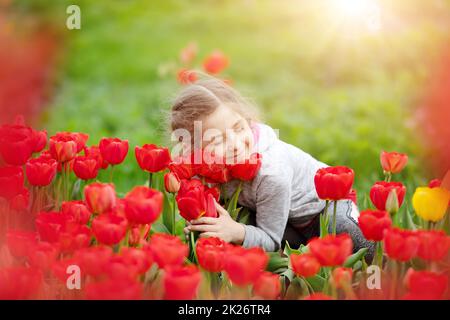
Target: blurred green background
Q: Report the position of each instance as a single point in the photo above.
(337, 84)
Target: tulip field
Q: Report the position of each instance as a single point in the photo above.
(94, 205)
(68, 235)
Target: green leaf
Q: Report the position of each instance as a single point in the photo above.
(288, 274)
(159, 227)
(276, 262)
(167, 211)
(76, 189)
(294, 290)
(358, 265)
(409, 223)
(303, 249)
(355, 257)
(233, 201)
(179, 225)
(288, 250)
(317, 282)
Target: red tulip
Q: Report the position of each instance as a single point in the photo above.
(143, 205)
(435, 183)
(138, 234)
(193, 202)
(353, 196)
(181, 282)
(50, 225)
(400, 244)
(94, 152)
(113, 150)
(214, 169)
(215, 63)
(20, 201)
(304, 265)
(373, 223)
(186, 76)
(114, 289)
(380, 191)
(247, 171)
(11, 181)
(342, 277)
(331, 250)
(76, 211)
(17, 143)
(86, 168)
(74, 237)
(41, 171)
(211, 253)
(267, 286)
(79, 138)
(393, 162)
(19, 242)
(63, 147)
(100, 197)
(244, 266)
(139, 259)
(433, 245)
(333, 183)
(152, 158)
(214, 191)
(167, 250)
(93, 260)
(425, 285)
(19, 283)
(42, 255)
(40, 140)
(183, 167)
(172, 182)
(109, 229)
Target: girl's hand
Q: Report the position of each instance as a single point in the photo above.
(223, 227)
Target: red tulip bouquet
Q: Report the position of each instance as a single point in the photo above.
(65, 234)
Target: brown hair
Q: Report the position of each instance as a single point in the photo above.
(201, 98)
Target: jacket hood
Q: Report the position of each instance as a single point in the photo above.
(264, 137)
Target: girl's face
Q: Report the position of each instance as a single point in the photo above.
(227, 134)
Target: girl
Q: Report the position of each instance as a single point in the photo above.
(282, 195)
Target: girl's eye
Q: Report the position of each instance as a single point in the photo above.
(239, 129)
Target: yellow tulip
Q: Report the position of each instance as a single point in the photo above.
(431, 203)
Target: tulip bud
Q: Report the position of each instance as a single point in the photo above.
(392, 204)
(171, 182)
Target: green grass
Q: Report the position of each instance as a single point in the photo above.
(335, 92)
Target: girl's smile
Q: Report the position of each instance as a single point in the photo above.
(227, 135)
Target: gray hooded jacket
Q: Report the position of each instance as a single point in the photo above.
(282, 191)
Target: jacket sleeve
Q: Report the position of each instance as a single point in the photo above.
(272, 212)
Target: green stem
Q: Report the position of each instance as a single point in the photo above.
(150, 179)
(192, 245)
(215, 283)
(387, 176)
(310, 288)
(379, 253)
(111, 172)
(174, 206)
(334, 217)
